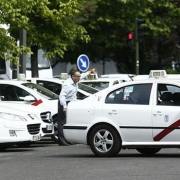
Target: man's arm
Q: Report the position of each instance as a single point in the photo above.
(83, 75)
(62, 96)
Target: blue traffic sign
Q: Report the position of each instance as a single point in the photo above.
(83, 63)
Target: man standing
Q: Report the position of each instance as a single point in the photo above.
(67, 94)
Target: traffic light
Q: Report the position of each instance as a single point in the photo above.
(130, 36)
(140, 27)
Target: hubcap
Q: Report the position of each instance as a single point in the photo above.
(103, 140)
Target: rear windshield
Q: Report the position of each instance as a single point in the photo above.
(88, 89)
(97, 85)
(41, 91)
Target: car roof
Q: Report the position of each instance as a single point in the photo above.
(47, 79)
(12, 82)
(118, 75)
(150, 80)
(101, 80)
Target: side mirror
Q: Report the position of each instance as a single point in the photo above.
(29, 98)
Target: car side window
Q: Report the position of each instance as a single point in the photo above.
(134, 94)
(7, 93)
(21, 93)
(168, 95)
(12, 93)
(52, 86)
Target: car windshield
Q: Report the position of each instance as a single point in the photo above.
(87, 88)
(100, 85)
(42, 91)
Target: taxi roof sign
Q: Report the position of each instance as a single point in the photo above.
(157, 74)
(91, 77)
(64, 76)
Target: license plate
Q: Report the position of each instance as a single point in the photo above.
(36, 138)
(49, 127)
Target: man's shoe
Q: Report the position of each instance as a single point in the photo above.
(64, 144)
(71, 143)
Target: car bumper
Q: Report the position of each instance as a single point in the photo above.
(14, 135)
(76, 134)
(47, 129)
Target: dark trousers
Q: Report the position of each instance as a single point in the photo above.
(61, 122)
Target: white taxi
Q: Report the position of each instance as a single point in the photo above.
(142, 115)
(20, 93)
(19, 125)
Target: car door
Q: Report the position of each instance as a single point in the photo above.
(133, 119)
(166, 113)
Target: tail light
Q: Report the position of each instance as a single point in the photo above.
(36, 103)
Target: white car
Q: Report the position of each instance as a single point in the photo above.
(23, 92)
(55, 85)
(102, 83)
(19, 125)
(109, 121)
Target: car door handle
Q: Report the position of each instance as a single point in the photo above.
(158, 113)
(112, 112)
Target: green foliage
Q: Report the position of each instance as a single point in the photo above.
(51, 25)
(98, 28)
(171, 71)
(112, 20)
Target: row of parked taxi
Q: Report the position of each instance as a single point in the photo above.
(116, 113)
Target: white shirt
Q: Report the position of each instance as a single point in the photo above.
(69, 90)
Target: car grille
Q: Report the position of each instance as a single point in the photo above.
(46, 117)
(33, 128)
(46, 131)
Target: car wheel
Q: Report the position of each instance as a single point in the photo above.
(148, 151)
(54, 137)
(105, 141)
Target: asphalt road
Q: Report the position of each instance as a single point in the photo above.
(48, 161)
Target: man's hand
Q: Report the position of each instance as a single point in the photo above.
(94, 70)
(64, 110)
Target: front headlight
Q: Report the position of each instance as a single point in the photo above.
(12, 117)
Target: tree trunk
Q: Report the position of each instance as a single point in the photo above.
(34, 61)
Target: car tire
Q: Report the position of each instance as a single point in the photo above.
(54, 137)
(104, 141)
(148, 151)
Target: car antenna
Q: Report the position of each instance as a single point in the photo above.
(125, 71)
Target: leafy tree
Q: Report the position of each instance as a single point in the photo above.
(11, 17)
(113, 19)
(52, 25)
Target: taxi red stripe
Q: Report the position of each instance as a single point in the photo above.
(166, 131)
(36, 103)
